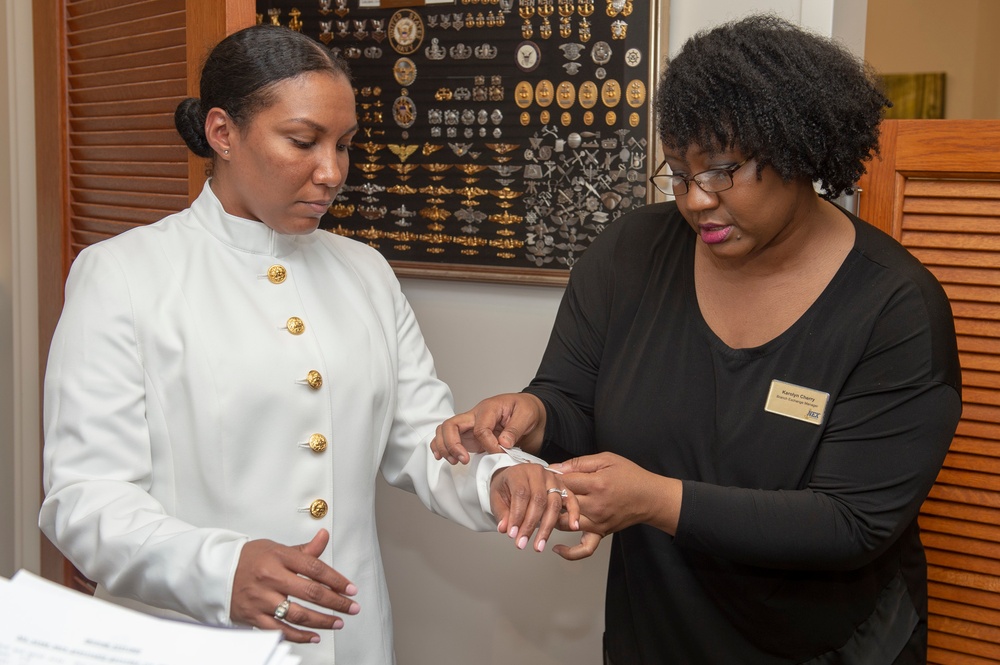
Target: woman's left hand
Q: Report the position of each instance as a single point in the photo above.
(614, 493)
(526, 496)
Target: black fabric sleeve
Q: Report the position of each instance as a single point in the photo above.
(567, 376)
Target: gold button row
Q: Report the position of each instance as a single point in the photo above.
(277, 274)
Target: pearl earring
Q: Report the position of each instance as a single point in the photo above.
(225, 152)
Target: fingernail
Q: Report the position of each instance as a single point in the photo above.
(522, 542)
(540, 545)
(513, 532)
(354, 608)
(315, 638)
(576, 525)
(337, 625)
(350, 590)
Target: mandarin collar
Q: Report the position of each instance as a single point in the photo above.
(245, 235)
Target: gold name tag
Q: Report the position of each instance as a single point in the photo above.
(792, 401)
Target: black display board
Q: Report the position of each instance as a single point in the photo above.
(497, 138)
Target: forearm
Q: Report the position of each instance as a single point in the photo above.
(564, 431)
(783, 529)
(460, 493)
(532, 441)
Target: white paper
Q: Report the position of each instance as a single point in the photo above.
(43, 623)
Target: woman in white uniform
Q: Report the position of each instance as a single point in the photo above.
(224, 385)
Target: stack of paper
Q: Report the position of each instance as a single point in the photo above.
(43, 623)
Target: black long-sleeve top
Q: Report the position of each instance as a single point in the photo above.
(797, 540)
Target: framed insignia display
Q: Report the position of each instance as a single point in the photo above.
(497, 138)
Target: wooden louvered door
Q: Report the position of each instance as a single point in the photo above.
(126, 72)
(108, 76)
(937, 190)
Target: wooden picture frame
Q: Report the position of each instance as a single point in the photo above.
(915, 96)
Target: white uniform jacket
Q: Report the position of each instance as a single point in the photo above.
(211, 381)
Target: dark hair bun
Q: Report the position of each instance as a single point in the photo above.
(189, 119)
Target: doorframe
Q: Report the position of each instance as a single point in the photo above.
(24, 476)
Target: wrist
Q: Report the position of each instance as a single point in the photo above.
(532, 441)
(663, 508)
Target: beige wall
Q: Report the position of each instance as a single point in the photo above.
(958, 37)
(494, 599)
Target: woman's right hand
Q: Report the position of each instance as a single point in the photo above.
(497, 422)
(268, 573)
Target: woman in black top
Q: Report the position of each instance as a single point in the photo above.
(754, 389)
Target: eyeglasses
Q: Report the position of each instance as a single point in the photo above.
(711, 181)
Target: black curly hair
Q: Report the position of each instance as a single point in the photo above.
(794, 101)
(240, 74)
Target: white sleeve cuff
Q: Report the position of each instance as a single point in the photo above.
(487, 466)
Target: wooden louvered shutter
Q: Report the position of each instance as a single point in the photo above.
(126, 68)
(937, 190)
(108, 76)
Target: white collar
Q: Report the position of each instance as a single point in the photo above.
(245, 235)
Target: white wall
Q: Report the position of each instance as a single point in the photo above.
(842, 19)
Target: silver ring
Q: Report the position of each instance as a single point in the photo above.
(282, 610)
(556, 490)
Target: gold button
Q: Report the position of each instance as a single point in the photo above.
(318, 509)
(276, 274)
(317, 442)
(296, 326)
(314, 379)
